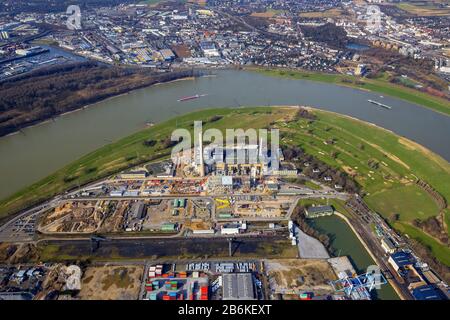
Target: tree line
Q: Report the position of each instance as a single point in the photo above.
(48, 92)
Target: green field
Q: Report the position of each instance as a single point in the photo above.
(385, 165)
(410, 202)
(424, 9)
(312, 185)
(379, 85)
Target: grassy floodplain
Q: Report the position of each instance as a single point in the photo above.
(384, 164)
(421, 10)
(379, 85)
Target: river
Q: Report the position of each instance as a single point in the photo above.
(38, 151)
(345, 243)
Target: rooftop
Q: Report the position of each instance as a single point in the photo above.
(428, 292)
(402, 258)
(238, 286)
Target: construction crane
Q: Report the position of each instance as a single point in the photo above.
(359, 286)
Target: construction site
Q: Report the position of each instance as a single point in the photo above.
(111, 282)
(253, 206)
(74, 217)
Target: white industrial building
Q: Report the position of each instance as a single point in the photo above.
(233, 228)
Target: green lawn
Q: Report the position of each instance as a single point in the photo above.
(410, 202)
(379, 85)
(312, 185)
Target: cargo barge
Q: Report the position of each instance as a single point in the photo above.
(191, 97)
(380, 104)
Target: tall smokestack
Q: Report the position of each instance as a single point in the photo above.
(202, 163)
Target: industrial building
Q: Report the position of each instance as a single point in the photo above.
(138, 210)
(387, 245)
(428, 292)
(401, 260)
(238, 286)
(319, 211)
(171, 227)
(236, 160)
(135, 216)
(134, 175)
(223, 182)
(209, 49)
(167, 54)
(233, 228)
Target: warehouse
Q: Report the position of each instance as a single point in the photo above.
(138, 210)
(319, 211)
(428, 292)
(387, 245)
(238, 286)
(233, 228)
(134, 175)
(400, 260)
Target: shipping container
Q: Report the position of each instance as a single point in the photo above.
(305, 296)
(153, 296)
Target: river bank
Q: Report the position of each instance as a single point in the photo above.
(380, 85)
(94, 84)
